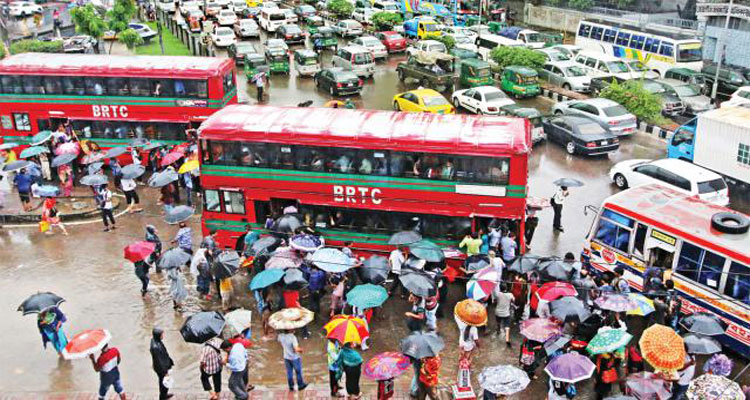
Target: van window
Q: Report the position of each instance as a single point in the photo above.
(711, 186)
(362, 58)
(738, 282)
(277, 17)
(700, 265)
(590, 62)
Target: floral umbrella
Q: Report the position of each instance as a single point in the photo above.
(305, 242)
(570, 368)
(608, 340)
(714, 387)
(386, 366)
(346, 329)
(68, 148)
(663, 348)
(539, 329)
(645, 385)
(290, 318)
(645, 305)
(503, 380)
(471, 312)
(616, 302)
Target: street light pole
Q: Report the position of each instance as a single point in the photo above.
(720, 47)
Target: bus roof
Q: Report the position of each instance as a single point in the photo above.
(107, 65)
(673, 36)
(681, 213)
(451, 134)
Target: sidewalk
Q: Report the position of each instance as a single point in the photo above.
(80, 206)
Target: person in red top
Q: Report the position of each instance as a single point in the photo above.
(109, 375)
(428, 378)
(291, 300)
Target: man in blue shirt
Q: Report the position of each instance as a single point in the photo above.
(23, 183)
(184, 238)
(237, 363)
(509, 246)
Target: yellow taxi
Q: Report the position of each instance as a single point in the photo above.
(422, 100)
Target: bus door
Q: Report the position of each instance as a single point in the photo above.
(660, 248)
(227, 210)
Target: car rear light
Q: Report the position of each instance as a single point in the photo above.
(339, 85)
(591, 144)
(492, 109)
(360, 82)
(288, 36)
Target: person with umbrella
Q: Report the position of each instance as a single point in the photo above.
(128, 187)
(106, 207)
(503, 310)
(335, 368)
(109, 374)
(65, 174)
(168, 197)
(415, 319)
(292, 359)
(529, 356)
(152, 235)
(429, 371)
(184, 238)
(50, 323)
(23, 181)
(606, 374)
(557, 205)
(177, 287)
(686, 374)
(160, 361)
(352, 364)
(237, 363)
(211, 363)
(395, 260)
(51, 216)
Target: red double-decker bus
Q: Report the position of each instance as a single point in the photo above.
(359, 176)
(112, 99)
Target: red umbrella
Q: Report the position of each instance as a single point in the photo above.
(552, 291)
(87, 342)
(171, 157)
(138, 251)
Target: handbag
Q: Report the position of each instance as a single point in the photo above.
(43, 226)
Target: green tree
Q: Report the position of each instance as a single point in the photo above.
(636, 99)
(341, 8)
(385, 21)
(552, 3)
(448, 41)
(119, 17)
(506, 56)
(36, 46)
(88, 21)
(130, 38)
(581, 4)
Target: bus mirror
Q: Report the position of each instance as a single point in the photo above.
(595, 209)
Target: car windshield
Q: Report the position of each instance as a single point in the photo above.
(369, 42)
(689, 52)
(224, 32)
(687, 90)
(590, 129)
(245, 48)
(436, 47)
(394, 36)
(711, 186)
(558, 56)
(432, 101)
(227, 13)
(617, 67)
(293, 29)
(307, 9)
(637, 66)
(362, 58)
(309, 60)
(247, 23)
(575, 71)
(533, 37)
(615, 111)
(277, 17)
(654, 87)
(430, 27)
(492, 96)
(461, 39)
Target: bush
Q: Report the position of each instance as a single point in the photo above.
(130, 38)
(36, 46)
(448, 41)
(385, 21)
(637, 100)
(506, 56)
(341, 8)
(581, 4)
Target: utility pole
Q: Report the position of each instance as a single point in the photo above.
(721, 48)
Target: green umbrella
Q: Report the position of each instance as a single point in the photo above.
(33, 151)
(607, 341)
(367, 296)
(41, 137)
(427, 251)
(266, 278)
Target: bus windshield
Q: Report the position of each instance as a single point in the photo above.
(689, 52)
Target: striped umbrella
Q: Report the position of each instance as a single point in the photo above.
(346, 329)
(645, 305)
(608, 340)
(87, 342)
(482, 284)
(663, 348)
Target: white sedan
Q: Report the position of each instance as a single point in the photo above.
(226, 17)
(223, 37)
(481, 100)
(23, 9)
(372, 43)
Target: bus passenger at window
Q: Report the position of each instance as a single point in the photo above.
(98, 88)
(381, 168)
(397, 164)
(217, 152)
(343, 164)
(446, 172)
(317, 163)
(365, 166)
(179, 88)
(416, 169)
(247, 157)
(157, 88)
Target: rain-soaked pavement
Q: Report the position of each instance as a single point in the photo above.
(102, 291)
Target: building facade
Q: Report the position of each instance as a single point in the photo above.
(712, 15)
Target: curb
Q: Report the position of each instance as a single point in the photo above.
(32, 219)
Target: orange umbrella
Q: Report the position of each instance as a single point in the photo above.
(663, 348)
(471, 312)
(346, 329)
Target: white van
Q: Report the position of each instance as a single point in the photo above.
(600, 64)
(271, 19)
(385, 6)
(487, 42)
(357, 59)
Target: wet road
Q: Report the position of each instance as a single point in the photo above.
(102, 292)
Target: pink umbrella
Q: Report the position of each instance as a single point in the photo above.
(540, 329)
(645, 385)
(68, 148)
(171, 157)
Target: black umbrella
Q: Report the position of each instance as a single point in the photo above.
(115, 151)
(286, 223)
(477, 262)
(163, 178)
(704, 323)
(179, 214)
(94, 167)
(374, 270)
(202, 327)
(264, 245)
(422, 344)
(39, 302)
(569, 309)
(173, 258)
(294, 279)
(132, 171)
(63, 159)
(698, 344)
(555, 270)
(526, 263)
(404, 237)
(427, 251)
(418, 283)
(568, 182)
(226, 264)
(16, 165)
(94, 180)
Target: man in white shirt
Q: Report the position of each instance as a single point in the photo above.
(557, 204)
(131, 196)
(395, 261)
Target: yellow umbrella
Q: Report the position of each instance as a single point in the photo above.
(346, 329)
(189, 166)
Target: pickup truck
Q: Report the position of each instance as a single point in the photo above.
(421, 27)
(431, 69)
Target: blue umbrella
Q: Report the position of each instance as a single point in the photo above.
(95, 167)
(115, 151)
(179, 214)
(266, 278)
(16, 165)
(94, 180)
(8, 145)
(63, 159)
(33, 151)
(41, 137)
(367, 296)
(48, 191)
(427, 251)
(332, 260)
(305, 242)
(132, 171)
(163, 178)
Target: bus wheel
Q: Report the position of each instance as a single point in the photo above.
(729, 222)
(620, 181)
(570, 148)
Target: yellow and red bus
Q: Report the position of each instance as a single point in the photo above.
(359, 175)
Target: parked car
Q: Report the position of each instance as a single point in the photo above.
(246, 28)
(304, 11)
(393, 41)
(464, 42)
(610, 115)
(291, 33)
(338, 82)
(237, 5)
(679, 174)
(460, 30)
(223, 3)
(428, 46)
(422, 100)
(553, 54)
(567, 74)
(249, 12)
(363, 15)
(212, 9)
(23, 9)
(186, 6)
(291, 17)
(145, 32)
(686, 75)
(729, 80)
(348, 27)
(741, 97)
(194, 18)
(671, 104)
(640, 70)
(601, 64)
(355, 58)
(580, 135)
(79, 44)
(240, 50)
(226, 17)
(695, 102)
(481, 100)
(371, 43)
(223, 37)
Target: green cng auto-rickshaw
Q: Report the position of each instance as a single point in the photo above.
(520, 81)
(313, 23)
(324, 39)
(475, 72)
(255, 63)
(278, 62)
(306, 62)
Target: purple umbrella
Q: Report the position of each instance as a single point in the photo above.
(570, 368)
(718, 364)
(616, 302)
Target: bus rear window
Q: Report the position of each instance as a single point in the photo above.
(700, 265)
(711, 186)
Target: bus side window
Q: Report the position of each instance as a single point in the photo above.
(52, 85)
(700, 265)
(94, 86)
(666, 49)
(609, 35)
(652, 45)
(612, 234)
(584, 30)
(596, 33)
(195, 88)
(211, 200)
(234, 202)
(640, 241)
(33, 85)
(12, 84)
(623, 39)
(139, 87)
(738, 282)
